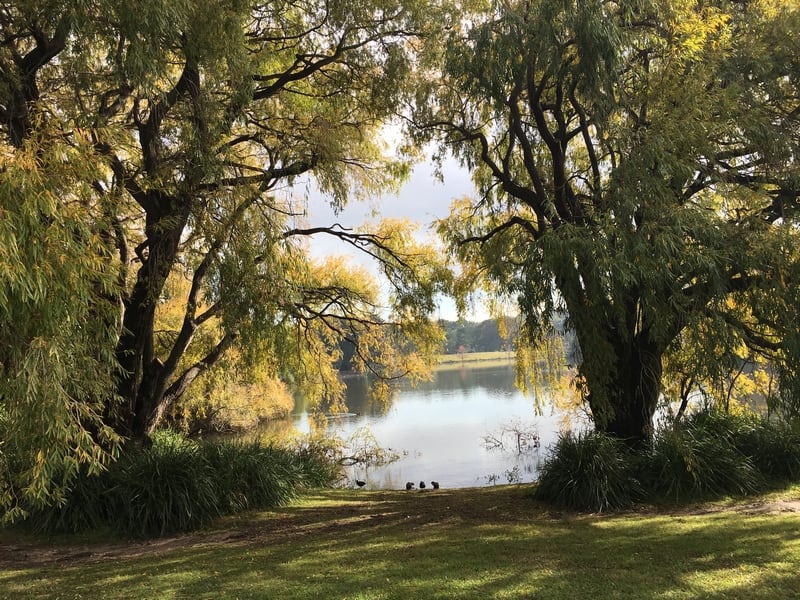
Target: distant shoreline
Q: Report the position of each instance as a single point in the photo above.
(458, 361)
(446, 362)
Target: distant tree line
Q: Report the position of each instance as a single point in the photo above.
(460, 336)
(493, 335)
(489, 335)
(483, 336)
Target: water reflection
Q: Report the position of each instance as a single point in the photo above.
(439, 428)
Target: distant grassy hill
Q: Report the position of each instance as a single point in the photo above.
(451, 361)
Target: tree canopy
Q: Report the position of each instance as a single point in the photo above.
(637, 167)
(636, 162)
(147, 149)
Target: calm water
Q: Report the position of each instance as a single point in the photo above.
(439, 427)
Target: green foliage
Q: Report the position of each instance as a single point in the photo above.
(464, 336)
(649, 221)
(89, 504)
(588, 471)
(320, 457)
(773, 446)
(695, 462)
(166, 488)
(58, 316)
(179, 485)
(711, 455)
(253, 475)
(774, 449)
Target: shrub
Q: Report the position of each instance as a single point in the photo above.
(87, 506)
(179, 485)
(716, 423)
(253, 475)
(590, 471)
(166, 488)
(699, 459)
(774, 448)
(320, 459)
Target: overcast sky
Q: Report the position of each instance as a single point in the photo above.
(422, 199)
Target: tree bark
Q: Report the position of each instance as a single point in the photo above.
(632, 396)
(140, 370)
(622, 367)
(164, 398)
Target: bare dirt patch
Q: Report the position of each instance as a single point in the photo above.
(778, 506)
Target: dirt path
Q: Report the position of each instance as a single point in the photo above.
(752, 508)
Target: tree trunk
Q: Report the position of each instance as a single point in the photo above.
(626, 405)
(164, 398)
(141, 370)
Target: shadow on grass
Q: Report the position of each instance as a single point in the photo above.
(487, 543)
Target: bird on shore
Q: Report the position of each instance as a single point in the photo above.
(435, 485)
(409, 485)
(360, 483)
(422, 485)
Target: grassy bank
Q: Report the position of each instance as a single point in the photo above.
(483, 359)
(479, 543)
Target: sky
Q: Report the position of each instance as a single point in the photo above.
(422, 199)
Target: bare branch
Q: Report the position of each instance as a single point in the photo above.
(515, 220)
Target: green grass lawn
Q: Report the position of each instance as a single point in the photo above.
(479, 543)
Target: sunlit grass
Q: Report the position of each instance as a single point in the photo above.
(479, 543)
(486, 359)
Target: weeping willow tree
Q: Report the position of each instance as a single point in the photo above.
(155, 139)
(58, 326)
(637, 168)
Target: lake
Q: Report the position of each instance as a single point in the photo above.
(439, 429)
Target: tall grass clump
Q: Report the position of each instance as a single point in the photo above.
(177, 485)
(253, 475)
(710, 454)
(772, 446)
(86, 506)
(320, 458)
(166, 488)
(688, 465)
(700, 459)
(588, 471)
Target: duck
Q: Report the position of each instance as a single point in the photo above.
(422, 485)
(435, 485)
(360, 483)
(409, 485)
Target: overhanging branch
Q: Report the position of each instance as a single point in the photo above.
(515, 220)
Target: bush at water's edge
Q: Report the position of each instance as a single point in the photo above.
(711, 455)
(178, 485)
(588, 471)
